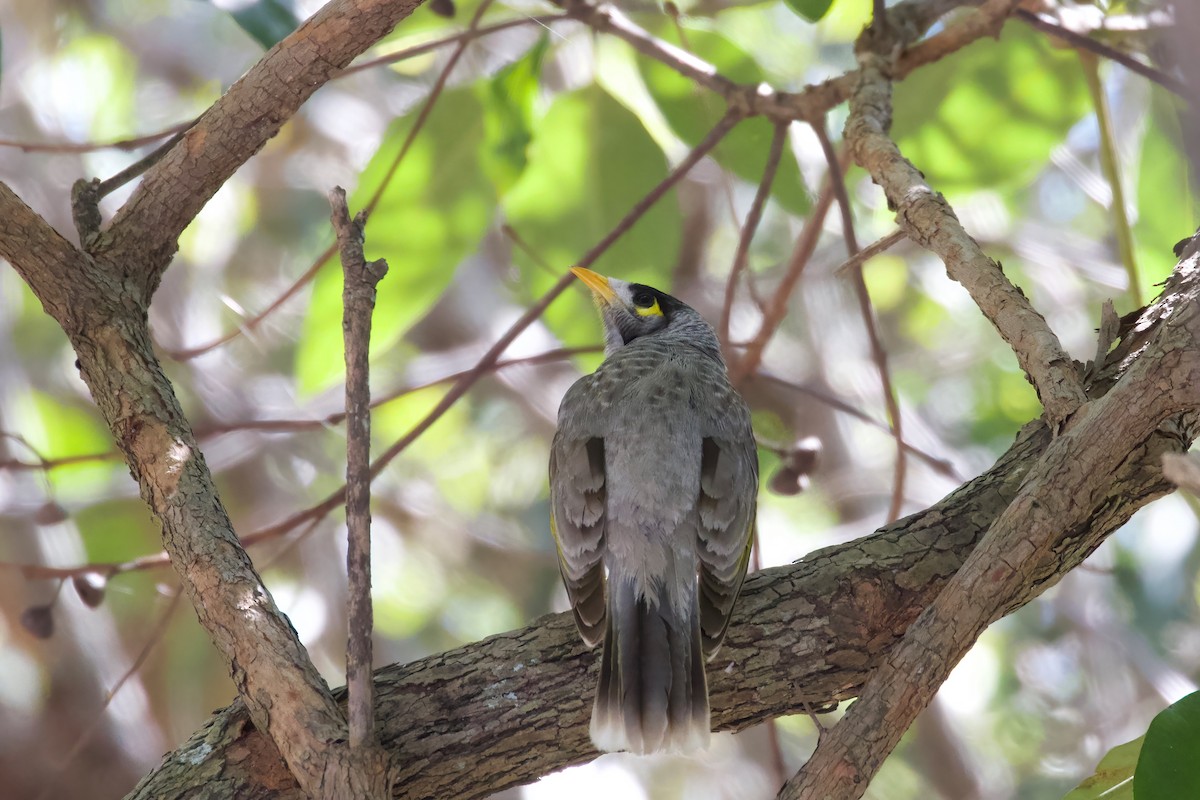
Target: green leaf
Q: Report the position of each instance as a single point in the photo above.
(692, 112)
(267, 21)
(1114, 775)
(1168, 768)
(432, 215)
(811, 10)
(590, 161)
(992, 114)
(508, 100)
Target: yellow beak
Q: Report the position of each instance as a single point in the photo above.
(597, 283)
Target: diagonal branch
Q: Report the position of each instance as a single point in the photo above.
(929, 221)
(144, 234)
(503, 711)
(1023, 550)
(108, 330)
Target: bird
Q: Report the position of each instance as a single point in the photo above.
(653, 496)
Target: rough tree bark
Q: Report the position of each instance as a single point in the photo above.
(503, 711)
(472, 721)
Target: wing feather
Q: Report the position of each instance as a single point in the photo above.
(577, 516)
(726, 509)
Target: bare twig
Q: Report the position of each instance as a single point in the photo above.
(188, 353)
(878, 354)
(806, 244)
(876, 247)
(750, 226)
(469, 35)
(358, 304)
(1076, 39)
(939, 465)
(310, 273)
(131, 143)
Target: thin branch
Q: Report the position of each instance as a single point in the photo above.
(750, 226)
(358, 304)
(1076, 39)
(837, 180)
(987, 20)
(939, 465)
(131, 143)
(1109, 164)
(188, 353)
(876, 247)
(310, 273)
(157, 631)
(1023, 550)
(806, 245)
(929, 221)
(469, 35)
(205, 432)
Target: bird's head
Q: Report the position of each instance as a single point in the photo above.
(632, 310)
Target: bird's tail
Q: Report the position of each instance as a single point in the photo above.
(652, 694)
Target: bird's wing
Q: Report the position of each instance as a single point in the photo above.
(727, 504)
(577, 504)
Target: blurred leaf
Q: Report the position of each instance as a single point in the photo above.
(692, 113)
(408, 592)
(1167, 768)
(432, 215)
(1114, 775)
(267, 21)
(61, 430)
(590, 161)
(811, 10)
(117, 530)
(100, 72)
(1165, 201)
(507, 101)
(992, 114)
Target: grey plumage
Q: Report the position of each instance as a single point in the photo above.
(653, 479)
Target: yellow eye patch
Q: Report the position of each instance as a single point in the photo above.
(652, 311)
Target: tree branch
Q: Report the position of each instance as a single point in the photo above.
(108, 330)
(503, 711)
(1022, 553)
(144, 234)
(929, 221)
(358, 303)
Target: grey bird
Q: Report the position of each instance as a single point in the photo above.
(653, 492)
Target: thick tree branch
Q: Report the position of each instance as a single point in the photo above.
(1024, 548)
(501, 712)
(144, 234)
(107, 328)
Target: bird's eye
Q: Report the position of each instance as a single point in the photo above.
(644, 299)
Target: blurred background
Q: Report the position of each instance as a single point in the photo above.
(544, 136)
